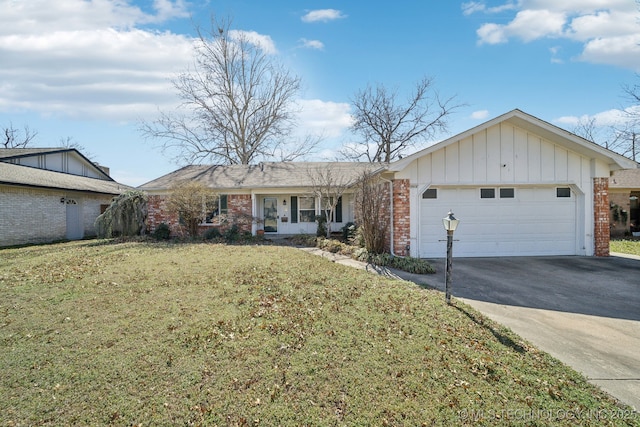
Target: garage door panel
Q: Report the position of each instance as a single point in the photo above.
(534, 222)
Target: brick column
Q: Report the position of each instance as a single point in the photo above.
(601, 233)
(401, 217)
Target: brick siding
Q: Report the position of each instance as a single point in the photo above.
(601, 213)
(238, 212)
(30, 215)
(401, 217)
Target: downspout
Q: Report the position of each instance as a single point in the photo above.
(391, 214)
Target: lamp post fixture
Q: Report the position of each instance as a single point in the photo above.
(450, 224)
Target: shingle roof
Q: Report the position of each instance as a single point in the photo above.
(263, 175)
(6, 153)
(627, 178)
(33, 177)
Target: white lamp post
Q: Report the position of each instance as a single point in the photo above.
(450, 224)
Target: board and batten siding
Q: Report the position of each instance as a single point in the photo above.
(505, 155)
(502, 154)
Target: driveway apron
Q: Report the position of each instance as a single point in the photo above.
(585, 311)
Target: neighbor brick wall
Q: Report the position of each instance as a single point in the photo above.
(401, 217)
(30, 215)
(601, 234)
(620, 228)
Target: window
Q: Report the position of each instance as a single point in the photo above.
(563, 192)
(337, 212)
(487, 193)
(219, 210)
(307, 209)
(507, 193)
(430, 193)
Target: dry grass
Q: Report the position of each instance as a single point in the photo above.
(631, 247)
(201, 334)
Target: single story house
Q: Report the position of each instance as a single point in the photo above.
(49, 194)
(518, 184)
(624, 195)
(273, 196)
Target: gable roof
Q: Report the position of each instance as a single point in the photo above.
(10, 154)
(263, 175)
(26, 176)
(536, 126)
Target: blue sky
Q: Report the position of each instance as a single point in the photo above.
(91, 69)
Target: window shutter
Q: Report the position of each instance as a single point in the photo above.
(338, 214)
(223, 204)
(294, 209)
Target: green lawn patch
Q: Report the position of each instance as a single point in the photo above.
(139, 333)
(631, 247)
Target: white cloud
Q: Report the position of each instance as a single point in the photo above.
(312, 44)
(326, 118)
(476, 6)
(528, 25)
(480, 114)
(323, 15)
(613, 117)
(264, 42)
(607, 29)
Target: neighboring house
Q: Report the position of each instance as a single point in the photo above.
(624, 194)
(273, 196)
(49, 194)
(519, 185)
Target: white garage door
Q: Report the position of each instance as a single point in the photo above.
(500, 221)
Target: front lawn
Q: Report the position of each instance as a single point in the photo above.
(140, 333)
(631, 247)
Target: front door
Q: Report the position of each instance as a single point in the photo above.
(270, 214)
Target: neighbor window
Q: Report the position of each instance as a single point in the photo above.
(487, 193)
(307, 209)
(507, 193)
(563, 192)
(337, 213)
(430, 193)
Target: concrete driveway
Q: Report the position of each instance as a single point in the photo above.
(584, 311)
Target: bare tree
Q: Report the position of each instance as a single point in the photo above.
(237, 103)
(328, 186)
(586, 128)
(389, 127)
(17, 138)
(191, 201)
(372, 211)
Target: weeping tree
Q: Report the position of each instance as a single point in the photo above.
(125, 216)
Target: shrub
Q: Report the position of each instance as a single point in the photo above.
(232, 234)
(162, 232)
(212, 233)
(304, 240)
(408, 264)
(322, 226)
(349, 232)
